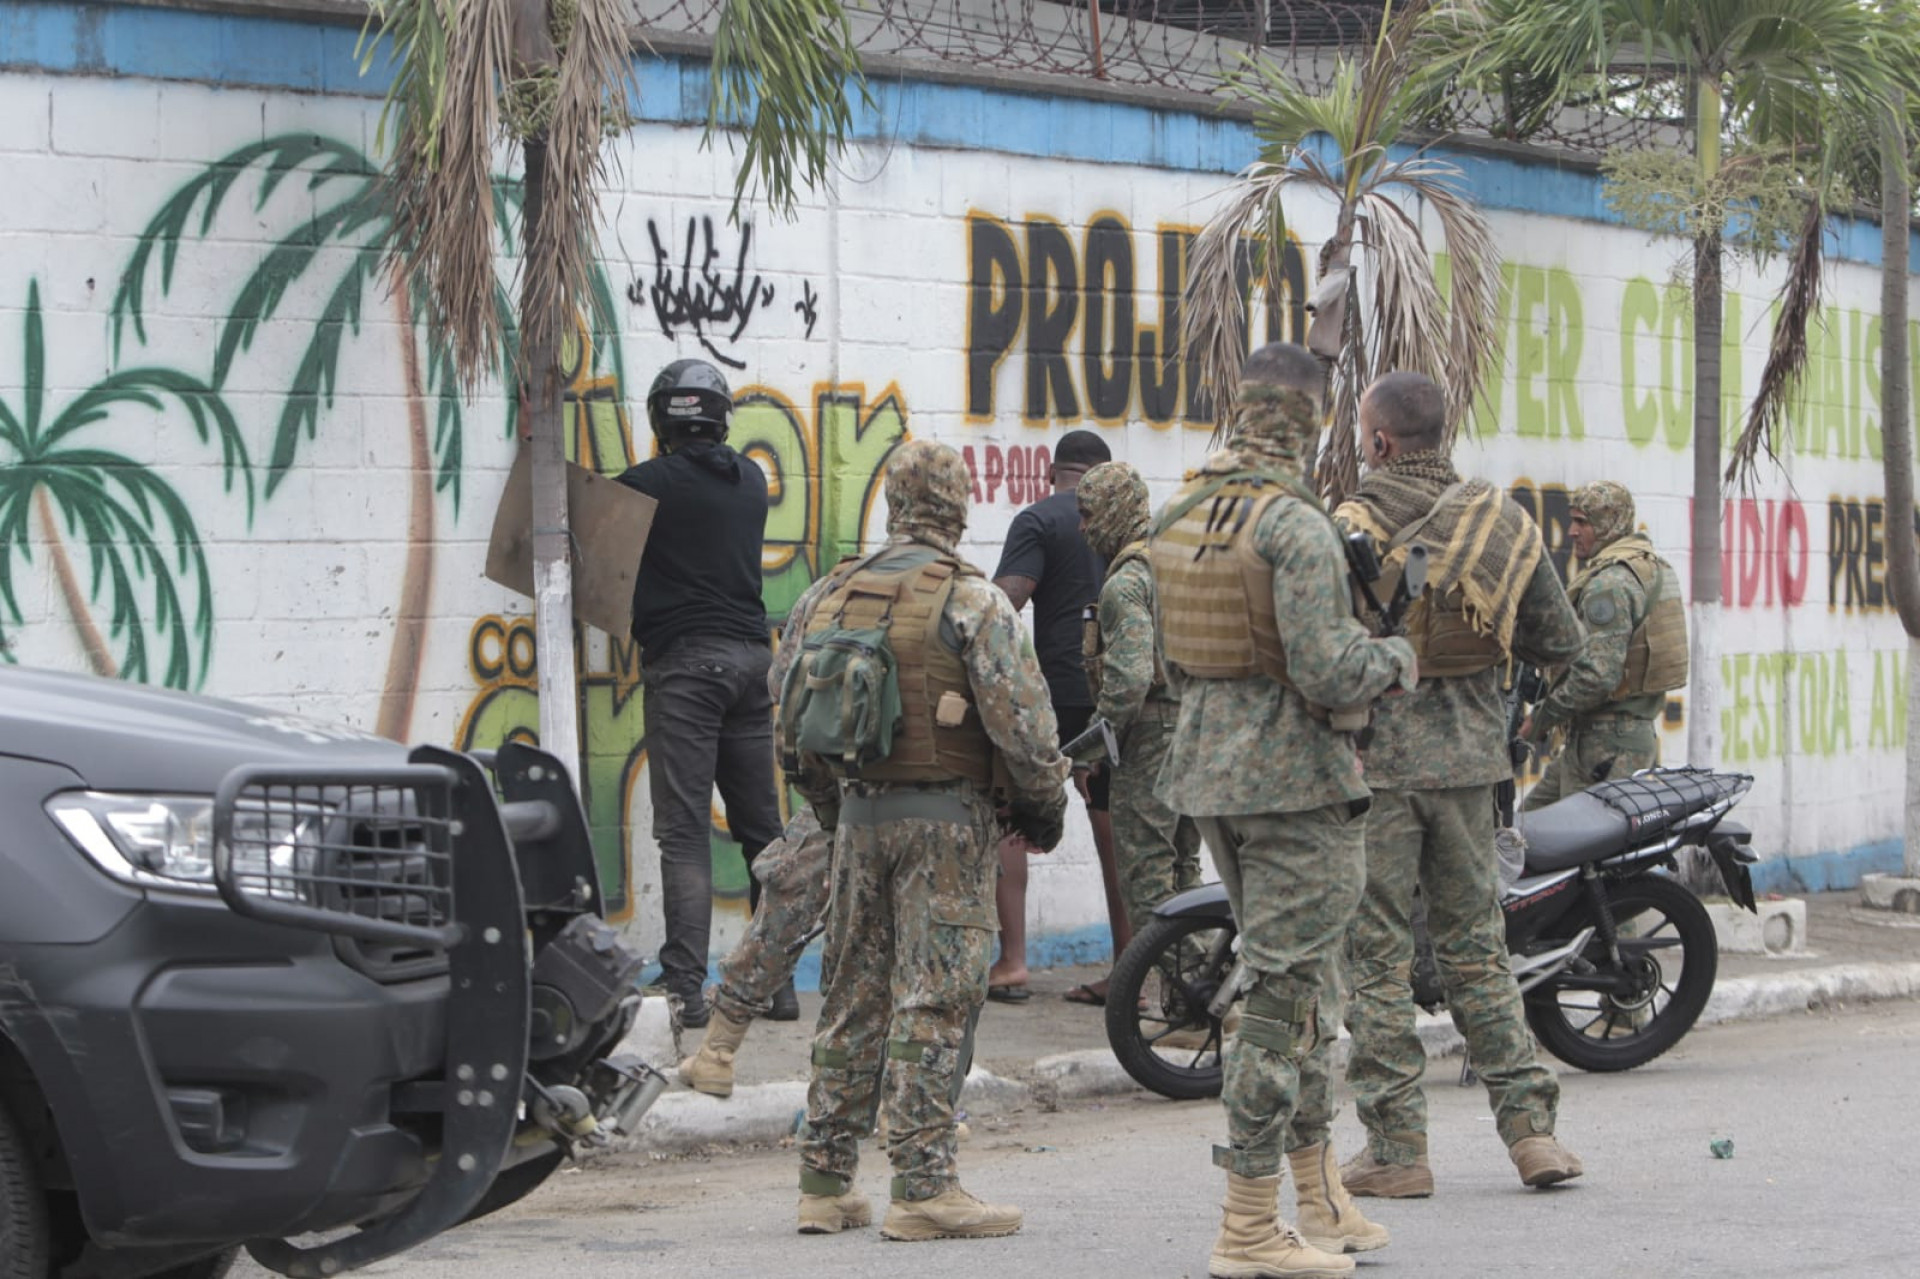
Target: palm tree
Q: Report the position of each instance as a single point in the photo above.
(341, 229)
(1363, 114)
(552, 77)
(1773, 76)
(138, 531)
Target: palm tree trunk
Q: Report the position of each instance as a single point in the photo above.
(552, 538)
(1896, 403)
(402, 684)
(1703, 716)
(99, 654)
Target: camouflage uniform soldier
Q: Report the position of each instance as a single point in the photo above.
(1158, 850)
(1611, 696)
(910, 927)
(1433, 763)
(1261, 639)
(792, 874)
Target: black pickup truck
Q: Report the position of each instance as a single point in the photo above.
(263, 978)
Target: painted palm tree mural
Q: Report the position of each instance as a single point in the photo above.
(332, 229)
(143, 550)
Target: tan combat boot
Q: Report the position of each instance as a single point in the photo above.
(711, 1069)
(1543, 1161)
(828, 1205)
(952, 1214)
(1328, 1219)
(1255, 1244)
(1371, 1178)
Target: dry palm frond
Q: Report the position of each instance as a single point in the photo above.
(1472, 349)
(1337, 472)
(1787, 354)
(1215, 337)
(561, 243)
(441, 182)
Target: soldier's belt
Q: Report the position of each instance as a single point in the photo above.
(885, 807)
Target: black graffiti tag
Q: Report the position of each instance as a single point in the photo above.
(704, 294)
(808, 307)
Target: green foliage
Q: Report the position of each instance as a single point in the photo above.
(417, 33)
(780, 71)
(1757, 202)
(140, 537)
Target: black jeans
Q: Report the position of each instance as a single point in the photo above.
(709, 723)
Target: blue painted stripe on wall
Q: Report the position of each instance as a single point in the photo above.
(1825, 872)
(229, 49)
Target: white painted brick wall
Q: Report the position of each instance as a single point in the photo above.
(305, 596)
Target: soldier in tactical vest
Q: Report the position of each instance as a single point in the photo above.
(1157, 850)
(1433, 762)
(1274, 673)
(919, 693)
(1610, 698)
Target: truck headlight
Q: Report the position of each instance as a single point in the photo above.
(167, 840)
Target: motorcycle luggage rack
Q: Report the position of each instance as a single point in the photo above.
(1658, 801)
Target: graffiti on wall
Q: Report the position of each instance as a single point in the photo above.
(146, 565)
(701, 289)
(1074, 315)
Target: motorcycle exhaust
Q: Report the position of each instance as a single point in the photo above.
(1531, 970)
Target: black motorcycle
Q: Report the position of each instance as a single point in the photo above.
(1615, 958)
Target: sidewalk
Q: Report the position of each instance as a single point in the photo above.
(1048, 1049)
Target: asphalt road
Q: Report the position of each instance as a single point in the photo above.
(1820, 1108)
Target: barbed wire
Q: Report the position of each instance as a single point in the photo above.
(1190, 46)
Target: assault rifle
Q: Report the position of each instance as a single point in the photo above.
(1363, 565)
(1529, 686)
(1098, 745)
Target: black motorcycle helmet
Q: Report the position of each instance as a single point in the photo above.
(689, 400)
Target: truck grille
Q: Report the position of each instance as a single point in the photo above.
(370, 860)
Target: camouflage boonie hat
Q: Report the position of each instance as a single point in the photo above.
(1608, 508)
(1115, 505)
(927, 491)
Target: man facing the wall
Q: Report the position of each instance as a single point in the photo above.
(1047, 560)
(704, 654)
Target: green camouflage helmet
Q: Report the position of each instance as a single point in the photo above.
(1608, 508)
(927, 491)
(1115, 506)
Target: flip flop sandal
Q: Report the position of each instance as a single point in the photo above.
(1085, 995)
(1009, 994)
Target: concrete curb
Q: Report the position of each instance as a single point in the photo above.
(765, 1113)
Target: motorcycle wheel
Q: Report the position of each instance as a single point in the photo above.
(1673, 958)
(1161, 987)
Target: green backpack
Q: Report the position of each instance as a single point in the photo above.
(841, 699)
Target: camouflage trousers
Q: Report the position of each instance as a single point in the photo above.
(909, 936)
(1597, 749)
(1294, 880)
(1440, 841)
(1156, 850)
(793, 895)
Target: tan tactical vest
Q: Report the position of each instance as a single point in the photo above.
(939, 737)
(1093, 645)
(1445, 642)
(1216, 592)
(1657, 658)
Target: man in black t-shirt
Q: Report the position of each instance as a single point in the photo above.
(704, 654)
(1047, 560)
